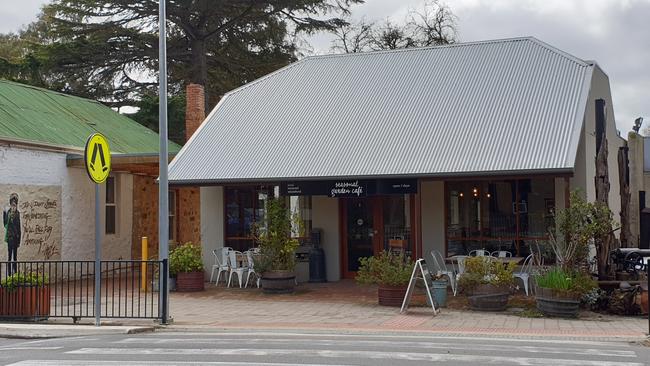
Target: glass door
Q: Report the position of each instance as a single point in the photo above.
(361, 236)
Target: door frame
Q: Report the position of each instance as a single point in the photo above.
(377, 223)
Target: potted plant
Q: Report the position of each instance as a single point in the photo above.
(25, 295)
(559, 289)
(487, 283)
(186, 263)
(277, 248)
(390, 272)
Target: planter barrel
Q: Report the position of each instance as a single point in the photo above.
(190, 281)
(557, 303)
(391, 295)
(489, 298)
(25, 302)
(278, 282)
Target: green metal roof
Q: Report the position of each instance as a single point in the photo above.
(43, 116)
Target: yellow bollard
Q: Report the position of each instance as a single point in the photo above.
(143, 265)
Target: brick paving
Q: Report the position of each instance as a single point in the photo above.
(346, 306)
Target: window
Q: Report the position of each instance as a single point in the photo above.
(300, 208)
(172, 215)
(244, 206)
(499, 214)
(111, 194)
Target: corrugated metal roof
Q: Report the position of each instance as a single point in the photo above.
(38, 115)
(513, 105)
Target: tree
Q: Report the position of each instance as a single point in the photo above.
(147, 115)
(108, 50)
(434, 24)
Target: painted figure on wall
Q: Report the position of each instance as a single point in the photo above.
(11, 221)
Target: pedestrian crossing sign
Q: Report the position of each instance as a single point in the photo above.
(97, 157)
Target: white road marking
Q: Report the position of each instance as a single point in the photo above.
(496, 338)
(361, 343)
(22, 348)
(403, 356)
(162, 363)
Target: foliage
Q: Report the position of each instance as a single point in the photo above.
(108, 50)
(433, 25)
(185, 258)
(596, 299)
(578, 225)
(20, 279)
(571, 282)
(147, 115)
(486, 271)
(273, 235)
(385, 269)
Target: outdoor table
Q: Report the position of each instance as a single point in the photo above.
(505, 260)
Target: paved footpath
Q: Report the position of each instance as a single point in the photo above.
(248, 309)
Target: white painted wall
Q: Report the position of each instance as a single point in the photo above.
(325, 216)
(433, 216)
(585, 161)
(212, 221)
(30, 166)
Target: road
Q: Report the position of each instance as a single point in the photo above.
(285, 348)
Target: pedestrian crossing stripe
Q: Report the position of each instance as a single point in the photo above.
(97, 158)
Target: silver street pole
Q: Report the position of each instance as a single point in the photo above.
(163, 212)
(98, 258)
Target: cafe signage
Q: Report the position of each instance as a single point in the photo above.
(349, 188)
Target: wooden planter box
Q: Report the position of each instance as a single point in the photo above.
(557, 303)
(25, 302)
(391, 295)
(190, 281)
(278, 282)
(488, 298)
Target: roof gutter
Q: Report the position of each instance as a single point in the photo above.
(40, 145)
(563, 172)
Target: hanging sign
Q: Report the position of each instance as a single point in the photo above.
(97, 157)
(420, 272)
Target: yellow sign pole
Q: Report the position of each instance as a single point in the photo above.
(143, 269)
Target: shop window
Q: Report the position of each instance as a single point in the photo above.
(499, 214)
(111, 206)
(300, 208)
(244, 207)
(397, 223)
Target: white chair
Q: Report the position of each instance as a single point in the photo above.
(251, 268)
(460, 259)
(479, 253)
(220, 266)
(501, 254)
(524, 274)
(236, 268)
(441, 267)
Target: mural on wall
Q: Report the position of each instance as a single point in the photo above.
(31, 227)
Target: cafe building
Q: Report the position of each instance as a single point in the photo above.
(453, 148)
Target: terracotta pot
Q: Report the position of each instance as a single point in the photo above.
(278, 282)
(25, 302)
(552, 302)
(488, 298)
(190, 281)
(391, 295)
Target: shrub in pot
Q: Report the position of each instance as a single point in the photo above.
(559, 291)
(25, 295)
(487, 283)
(277, 261)
(186, 263)
(390, 272)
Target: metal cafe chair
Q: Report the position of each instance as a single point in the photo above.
(236, 268)
(501, 254)
(479, 253)
(441, 267)
(524, 274)
(251, 268)
(219, 266)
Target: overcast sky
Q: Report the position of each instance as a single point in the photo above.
(615, 33)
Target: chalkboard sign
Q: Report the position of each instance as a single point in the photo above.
(420, 272)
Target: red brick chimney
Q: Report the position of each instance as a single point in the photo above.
(194, 108)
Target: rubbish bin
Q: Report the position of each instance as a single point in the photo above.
(439, 293)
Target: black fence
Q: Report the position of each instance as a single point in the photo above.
(66, 289)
